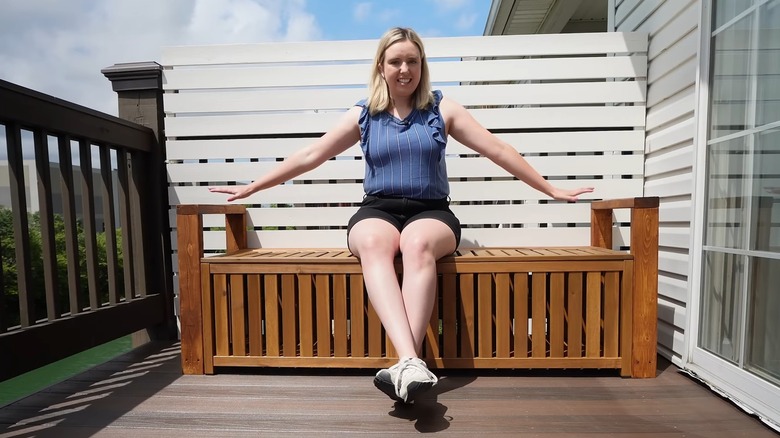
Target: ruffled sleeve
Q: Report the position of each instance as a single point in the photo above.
(435, 121)
(363, 122)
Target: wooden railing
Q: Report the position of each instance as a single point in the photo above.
(103, 273)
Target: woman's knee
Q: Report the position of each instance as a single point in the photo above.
(374, 238)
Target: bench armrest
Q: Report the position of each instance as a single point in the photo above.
(644, 248)
(189, 231)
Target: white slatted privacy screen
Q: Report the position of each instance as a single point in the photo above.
(573, 104)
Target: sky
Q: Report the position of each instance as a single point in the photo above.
(58, 47)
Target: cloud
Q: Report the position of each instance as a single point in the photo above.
(466, 20)
(451, 4)
(362, 11)
(59, 47)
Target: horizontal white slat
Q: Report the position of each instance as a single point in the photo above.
(452, 47)
(514, 118)
(467, 95)
(471, 238)
(356, 75)
(459, 191)
(456, 168)
(527, 142)
(467, 214)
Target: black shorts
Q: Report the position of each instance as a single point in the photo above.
(402, 211)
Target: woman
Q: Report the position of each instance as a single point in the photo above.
(403, 128)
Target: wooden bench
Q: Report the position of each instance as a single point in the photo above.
(562, 307)
(535, 283)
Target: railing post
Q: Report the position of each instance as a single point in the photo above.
(139, 90)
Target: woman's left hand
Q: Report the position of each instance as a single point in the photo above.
(569, 195)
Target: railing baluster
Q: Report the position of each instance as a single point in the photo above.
(48, 244)
(13, 138)
(109, 223)
(88, 210)
(139, 227)
(71, 228)
(125, 223)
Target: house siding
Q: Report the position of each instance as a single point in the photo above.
(673, 31)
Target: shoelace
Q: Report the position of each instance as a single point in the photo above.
(402, 366)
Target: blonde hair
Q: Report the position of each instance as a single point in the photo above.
(378, 95)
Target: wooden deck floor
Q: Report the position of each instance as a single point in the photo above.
(144, 394)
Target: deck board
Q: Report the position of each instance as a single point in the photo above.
(144, 394)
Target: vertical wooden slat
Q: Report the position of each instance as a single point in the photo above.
(255, 311)
(626, 318)
(593, 315)
(485, 308)
(289, 324)
(521, 314)
(538, 314)
(109, 223)
(574, 313)
(271, 300)
(449, 315)
(555, 322)
(431, 344)
(340, 315)
(389, 347)
(45, 209)
(206, 349)
(466, 332)
(189, 240)
(611, 313)
(191, 314)
(374, 332)
(305, 315)
(70, 222)
(601, 228)
(221, 322)
(237, 312)
(13, 135)
(235, 231)
(125, 221)
(323, 315)
(503, 324)
(357, 331)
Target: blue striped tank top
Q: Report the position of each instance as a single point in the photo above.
(404, 158)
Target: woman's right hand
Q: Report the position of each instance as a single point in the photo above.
(236, 192)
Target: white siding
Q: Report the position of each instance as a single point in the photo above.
(672, 27)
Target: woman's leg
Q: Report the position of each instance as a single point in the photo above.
(376, 243)
(422, 243)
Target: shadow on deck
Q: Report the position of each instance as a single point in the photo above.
(144, 394)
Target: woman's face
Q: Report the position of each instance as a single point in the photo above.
(401, 68)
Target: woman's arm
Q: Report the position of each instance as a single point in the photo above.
(341, 137)
(462, 126)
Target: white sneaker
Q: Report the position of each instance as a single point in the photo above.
(413, 379)
(386, 379)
